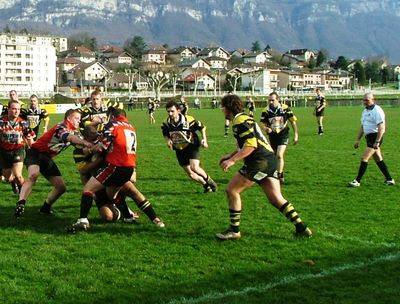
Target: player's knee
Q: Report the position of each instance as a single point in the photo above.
(19, 179)
(33, 177)
(106, 214)
(88, 194)
(61, 188)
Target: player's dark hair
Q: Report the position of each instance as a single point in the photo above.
(11, 102)
(70, 112)
(232, 103)
(116, 112)
(274, 93)
(172, 103)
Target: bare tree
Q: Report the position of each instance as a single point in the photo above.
(254, 76)
(157, 80)
(174, 75)
(233, 79)
(198, 74)
(131, 74)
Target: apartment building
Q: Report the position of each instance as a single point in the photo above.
(28, 62)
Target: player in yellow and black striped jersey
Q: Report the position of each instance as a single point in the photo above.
(260, 166)
(180, 134)
(320, 104)
(275, 118)
(95, 114)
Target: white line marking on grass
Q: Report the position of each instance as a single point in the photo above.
(213, 296)
(353, 239)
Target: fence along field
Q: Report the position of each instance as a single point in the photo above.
(354, 253)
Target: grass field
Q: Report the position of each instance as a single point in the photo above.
(355, 249)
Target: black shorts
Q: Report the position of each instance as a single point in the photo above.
(101, 198)
(48, 167)
(371, 139)
(320, 113)
(110, 175)
(276, 140)
(190, 152)
(261, 168)
(9, 158)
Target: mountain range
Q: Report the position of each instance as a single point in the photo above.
(354, 29)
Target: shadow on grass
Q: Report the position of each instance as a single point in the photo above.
(57, 223)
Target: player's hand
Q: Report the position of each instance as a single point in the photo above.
(225, 157)
(356, 144)
(204, 143)
(295, 140)
(87, 144)
(226, 164)
(169, 143)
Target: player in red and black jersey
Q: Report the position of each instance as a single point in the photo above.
(180, 133)
(119, 142)
(87, 163)
(39, 160)
(14, 135)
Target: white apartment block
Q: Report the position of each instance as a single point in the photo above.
(28, 63)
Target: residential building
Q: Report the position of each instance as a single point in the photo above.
(217, 52)
(204, 81)
(156, 55)
(217, 62)
(302, 54)
(195, 63)
(290, 80)
(88, 71)
(312, 80)
(256, 57)
(259, 79)
(180, 53)
(82, 54)
(119, 58)
(28, 62)
(238, 53)
(67, 63)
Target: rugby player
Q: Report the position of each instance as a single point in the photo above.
(260, 166)
(275, 118)
(179, 132)
(14, 134)
(39, 160)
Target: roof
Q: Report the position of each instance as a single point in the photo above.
(83, 66)
(298, 52)
(68, 60)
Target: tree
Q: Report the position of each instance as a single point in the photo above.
(359, 73)
(7, 29)
(322, 57)
(234, 61)
(256, 46)
(174, 76)
(254, 76)
(157, 80)
(385, 75)
(341, 63)
(136, 47)
(82, 39)
(311, 63)
(373, 71)
(233, 78)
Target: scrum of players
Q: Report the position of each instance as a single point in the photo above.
(105, 146)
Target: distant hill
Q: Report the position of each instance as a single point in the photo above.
(351, 28)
